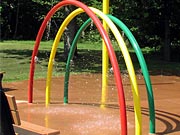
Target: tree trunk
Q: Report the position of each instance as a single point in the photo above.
(69, 32)
(48, 30)
(167, 42)
(17, 21)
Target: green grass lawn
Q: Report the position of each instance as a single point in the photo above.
(15, 57)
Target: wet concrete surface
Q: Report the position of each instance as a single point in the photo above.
(84, 114)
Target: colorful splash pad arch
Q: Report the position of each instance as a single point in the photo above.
(125, 54)
(110, 51)
(140, 57)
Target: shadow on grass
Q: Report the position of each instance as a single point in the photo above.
(91, 61)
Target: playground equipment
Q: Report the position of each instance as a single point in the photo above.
(107, 22)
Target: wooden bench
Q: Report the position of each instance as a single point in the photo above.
(27, 128)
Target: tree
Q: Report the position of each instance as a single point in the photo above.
(167, 13)
(154, 23)
(17, 19)
(69, 32)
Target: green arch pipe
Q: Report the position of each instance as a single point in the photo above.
(140, 59)
(70, 56)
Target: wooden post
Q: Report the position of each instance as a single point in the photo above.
(1, 77)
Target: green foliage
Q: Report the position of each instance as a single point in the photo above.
(21, 19)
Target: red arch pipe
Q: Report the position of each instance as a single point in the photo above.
(111, 53)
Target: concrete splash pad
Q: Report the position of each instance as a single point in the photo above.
(84, 114)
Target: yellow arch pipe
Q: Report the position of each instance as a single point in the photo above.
(130, 68)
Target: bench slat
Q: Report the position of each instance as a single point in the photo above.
(13, 107)
(16, 118)
(27, 128)
(12, 102)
